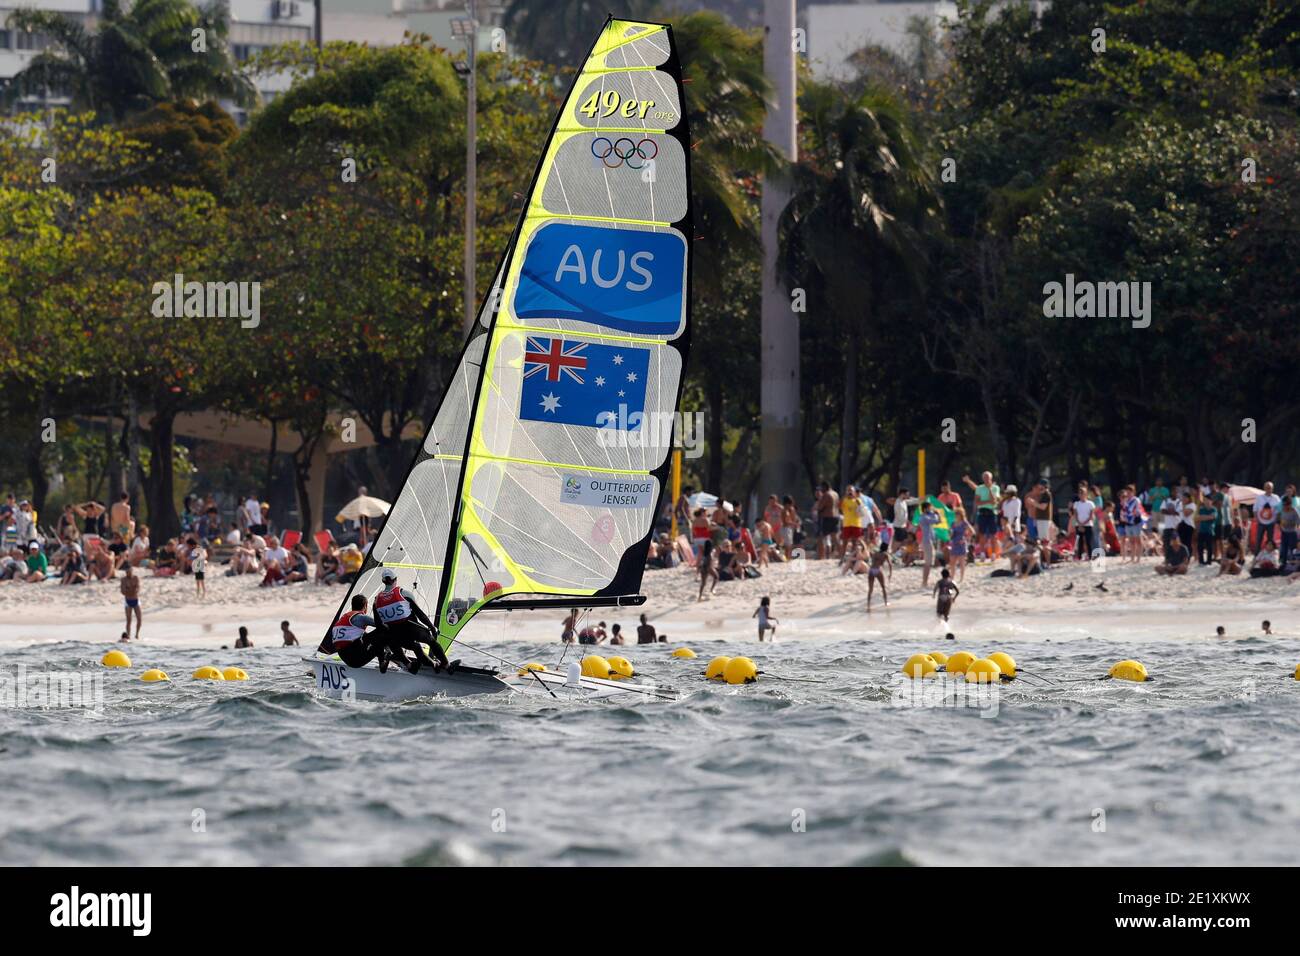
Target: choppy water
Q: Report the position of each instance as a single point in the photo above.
(1197, 767)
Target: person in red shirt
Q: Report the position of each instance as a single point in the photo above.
(950, 498)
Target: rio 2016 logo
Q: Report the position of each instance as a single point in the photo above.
(624, 152)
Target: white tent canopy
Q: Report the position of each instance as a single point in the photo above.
(1244, 494)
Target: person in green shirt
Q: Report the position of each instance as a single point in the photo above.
(37, 564)
(1156, 495)
(1207, 521)
(987, 497)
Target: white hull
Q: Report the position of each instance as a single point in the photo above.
(337, 680)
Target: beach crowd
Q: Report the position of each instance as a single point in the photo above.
(1234, 529)
(93, 542)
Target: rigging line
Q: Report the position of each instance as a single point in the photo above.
(473, 552)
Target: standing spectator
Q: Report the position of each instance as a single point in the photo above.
(772, 515)
(1289, 523)
(951, 500)
(198, 558)
(925, 525)
(852, 509)
(1038, 505)
(1207, 518)
(790, 525)
(1155, 495)
(827, 511)
(25, 522)
(1131, 518)
(1225, 525)
(959, 541)
(1187, 521)
(1011, 510)
(130, 588)
(902, 517)
(1170, 518)
(252, 515)
(119, 517)
(987, 496)
(1081, 521)
(1266, 509)
(682, 509)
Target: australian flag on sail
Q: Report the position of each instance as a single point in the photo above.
(582, 383)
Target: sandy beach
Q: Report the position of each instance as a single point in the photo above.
(811, 599)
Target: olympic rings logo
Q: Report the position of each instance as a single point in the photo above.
(624, 150)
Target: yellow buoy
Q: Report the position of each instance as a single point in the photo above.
(683, 652)
(208, 672)
(1129, 670)
(983, 671)
(940, 658)
(1006, 662)
(740, 670)
(593, 665)
(1297, 672)
(716, 667)
(920, 665)
(154, 676)
(235, 673)
(620, 667)
(523, 671)
(115, 658)
(958, 662)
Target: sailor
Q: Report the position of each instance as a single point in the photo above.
(354, 645)
(402, 623)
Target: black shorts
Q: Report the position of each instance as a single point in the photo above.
(829, 525)
(198, 575)
(986, 521)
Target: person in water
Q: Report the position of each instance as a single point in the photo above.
(290, 640)
(403, 625)
(243, 638)
(946, 589)
(765, 620)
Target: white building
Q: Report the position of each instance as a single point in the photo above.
(836, 31)
(256, 25)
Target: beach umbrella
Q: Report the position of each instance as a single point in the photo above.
(363, 507)
(702, 499)
(1244, 494)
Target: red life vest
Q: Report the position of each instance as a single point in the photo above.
(392, 606)
(344, 631)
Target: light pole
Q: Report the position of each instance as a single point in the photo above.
(782, 440)
(466, 28)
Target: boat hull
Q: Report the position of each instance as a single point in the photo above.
(337, 680)
(341, 682)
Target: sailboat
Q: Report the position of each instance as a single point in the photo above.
(543, 469)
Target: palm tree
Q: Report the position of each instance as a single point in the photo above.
(136, 57)
(854, 233)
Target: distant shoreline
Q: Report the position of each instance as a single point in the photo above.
(811, 599)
